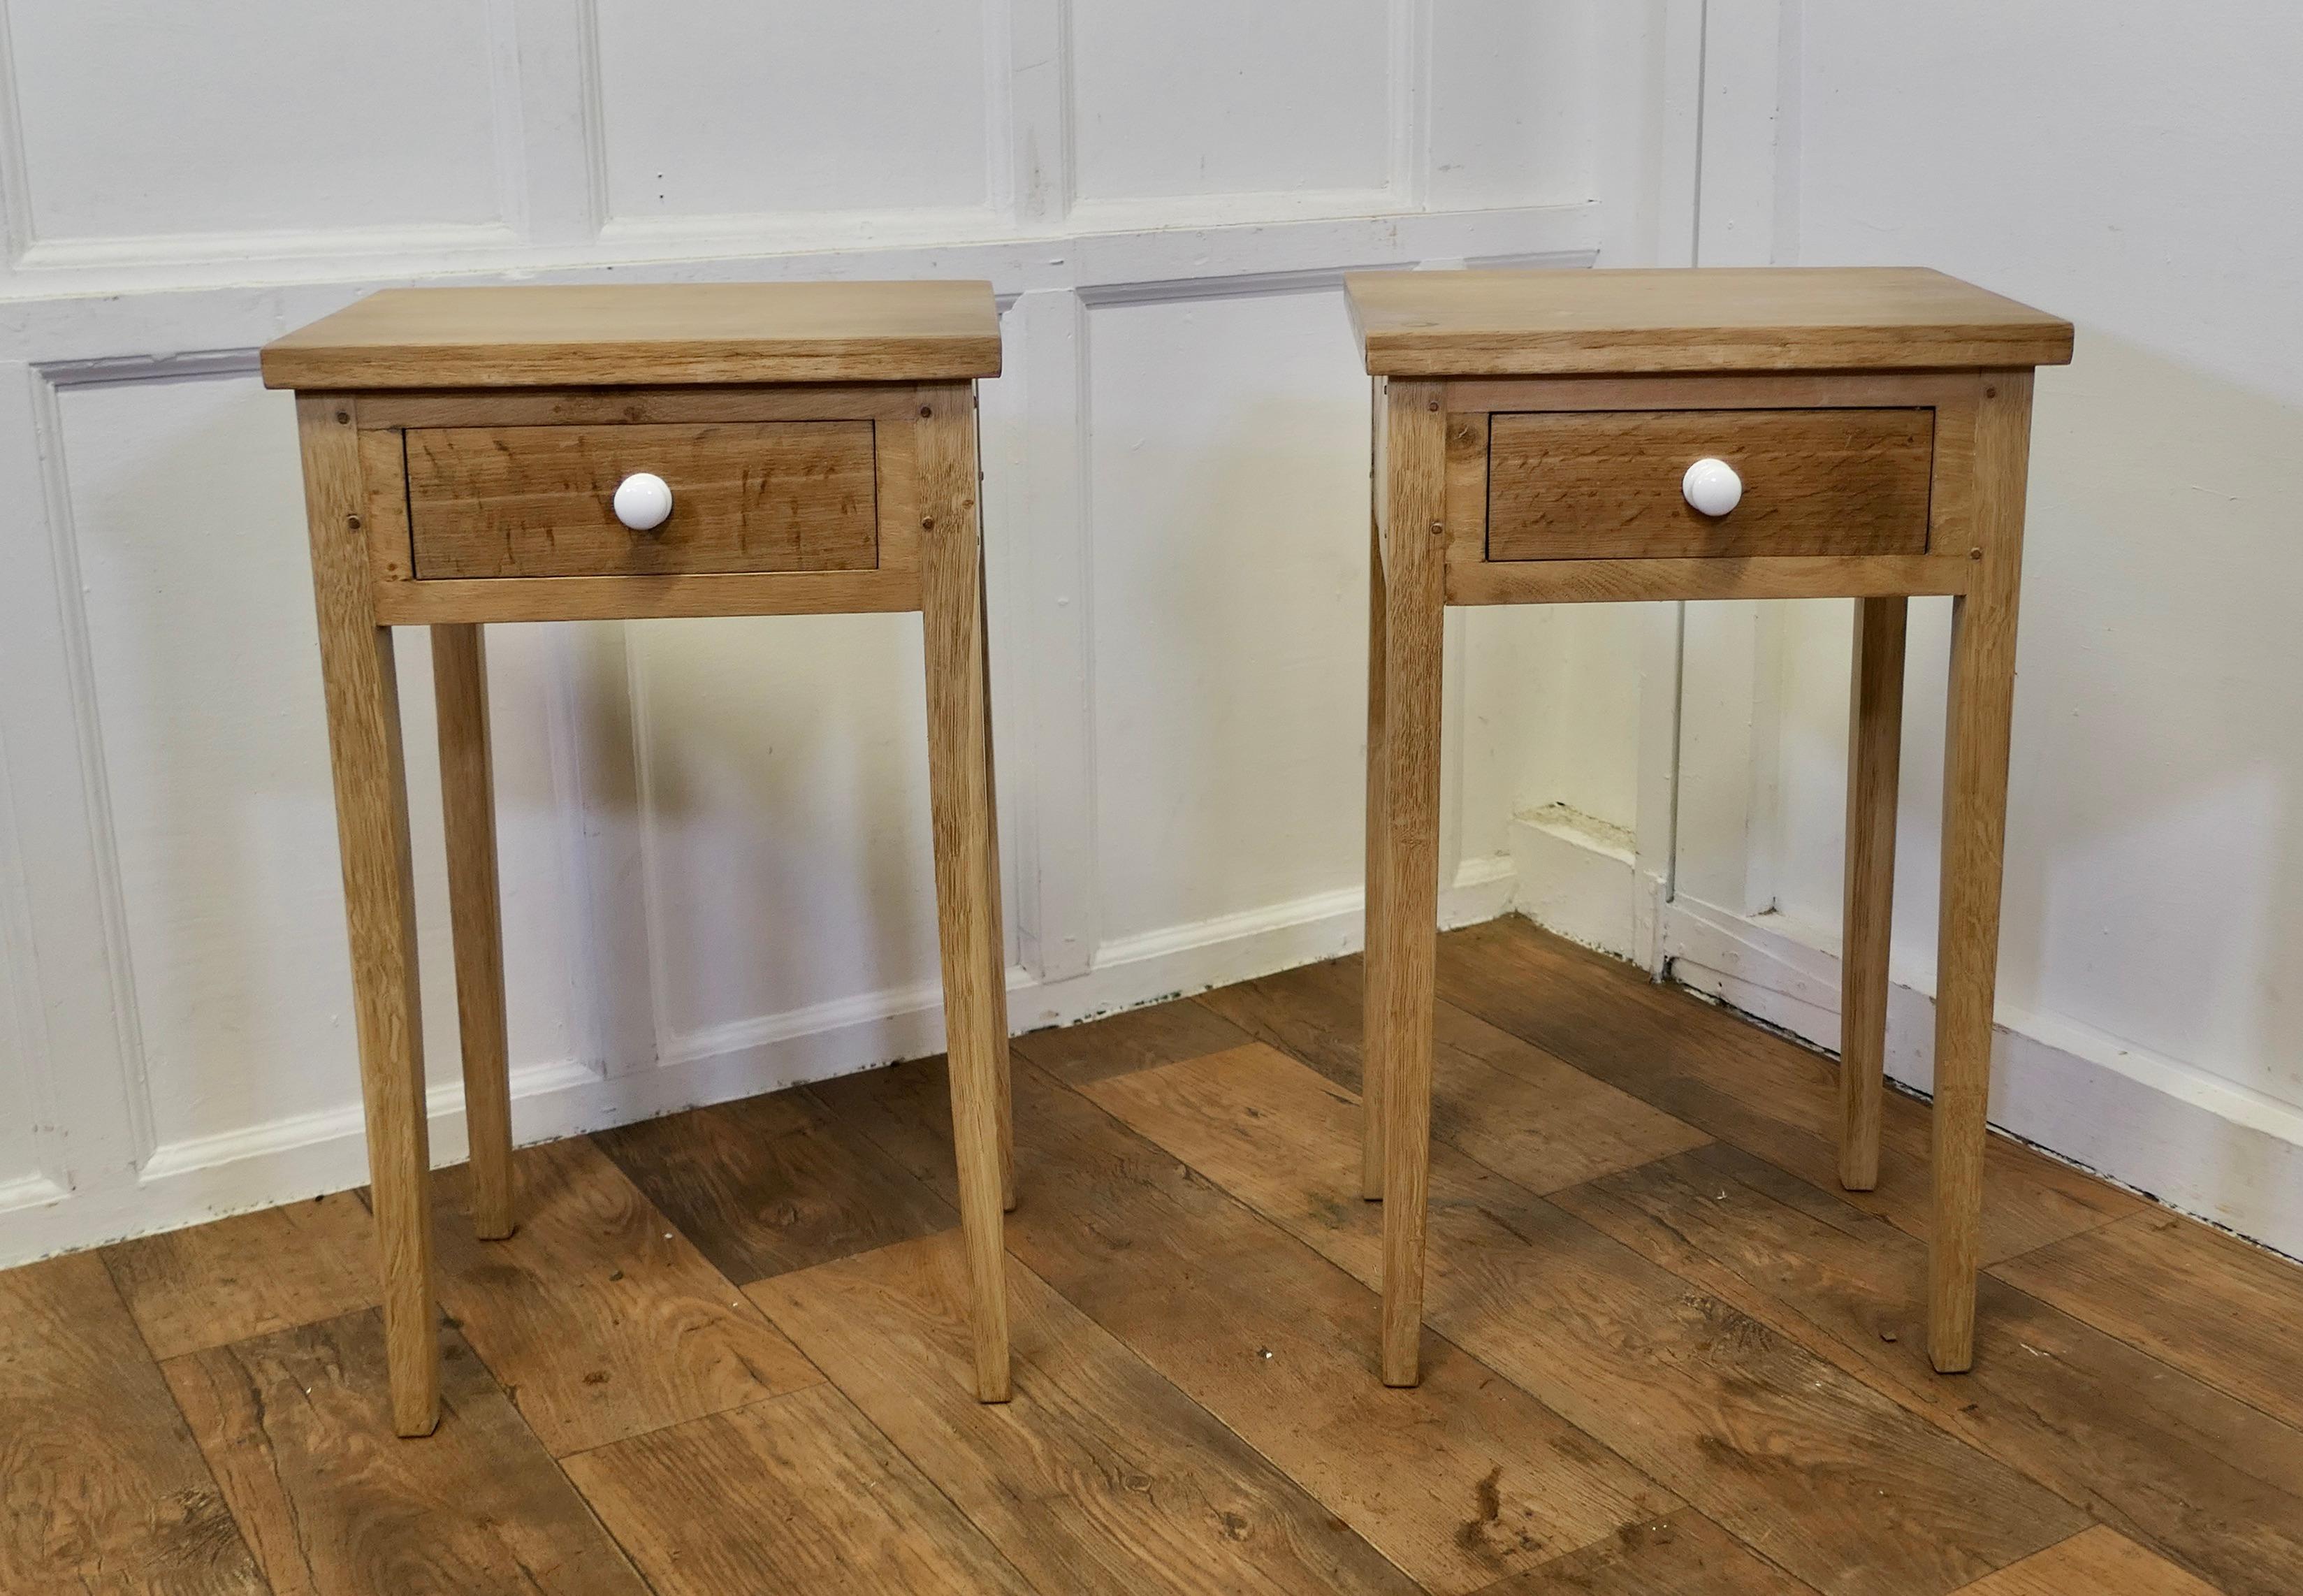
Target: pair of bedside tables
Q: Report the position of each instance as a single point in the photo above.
(492, 454)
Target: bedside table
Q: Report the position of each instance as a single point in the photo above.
(1565, 437)
(563, 453)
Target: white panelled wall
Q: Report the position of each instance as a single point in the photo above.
(715, 833)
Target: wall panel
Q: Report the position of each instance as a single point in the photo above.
(783, 779)
(770, 105)
(263, 115)
(1211, 98)
(188, 517)
(1511, 110)
(1227, 487)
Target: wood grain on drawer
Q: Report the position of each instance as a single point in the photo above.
(1606, 484)
(538, 501)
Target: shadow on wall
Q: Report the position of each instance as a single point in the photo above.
(2153, 838)
(2154, 906)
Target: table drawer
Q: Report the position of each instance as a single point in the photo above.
(1606, 484)
(538, 501)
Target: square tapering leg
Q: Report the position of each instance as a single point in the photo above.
(1978, 723)
(966, 858)
(1875, 739)
(1374, 1068)
(1404, 868)
(459, 682)
(363, 698)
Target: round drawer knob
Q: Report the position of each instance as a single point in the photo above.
(644, 501)
(1712, 486)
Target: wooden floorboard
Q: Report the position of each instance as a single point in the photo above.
(1160, 1034)
(773, 1183)
(1515, 1108)
(2097, 1562)
(1683, 1555)
(1745, 1086)
(101, 1486)
(1814, 1470)
(299, 1429)
(1101, 1475)
(728, 1350)
(1459, 1483)
(2172, 1462)
(798, 1494)
(209, 1284)
(2226, 1313)
(600, 1319)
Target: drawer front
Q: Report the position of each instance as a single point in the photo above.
(539, 501)
(1606, 485)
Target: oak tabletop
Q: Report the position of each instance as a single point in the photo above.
(589, 334)
(1559, 322)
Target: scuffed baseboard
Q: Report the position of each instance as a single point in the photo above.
(2198, 1144)
(2201, 1144)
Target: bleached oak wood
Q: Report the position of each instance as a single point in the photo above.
(1618, 581)
(1373, 1072)
(1979, 723)
(867, 457)
(1467, 511)
(1412, 470)
(1883, 415)
(1004, 1092)
(1535, 322)
(1875, 739)
(967, 884)
(363, 697)
(384, 486)
(539, 501)
(638, 335)
(468, 804)
(646, 598)
(621, 406)
(1606, 484)
(1706, 391)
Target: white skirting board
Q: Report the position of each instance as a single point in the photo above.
(305, 1155)
(2198, 1144)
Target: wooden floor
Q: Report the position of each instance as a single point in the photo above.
(727, 1352)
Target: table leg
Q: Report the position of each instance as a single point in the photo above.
(1373, 1067)
(363, 698)
(1874, 738)
(460, 680)
(1006, 1093)
(1411, 463)
(966, 855)
(1979, 718)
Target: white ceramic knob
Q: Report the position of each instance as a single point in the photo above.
(643, 500)
(1712, 486)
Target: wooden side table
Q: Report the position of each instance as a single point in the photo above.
(1545, 437)
(564, 453)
